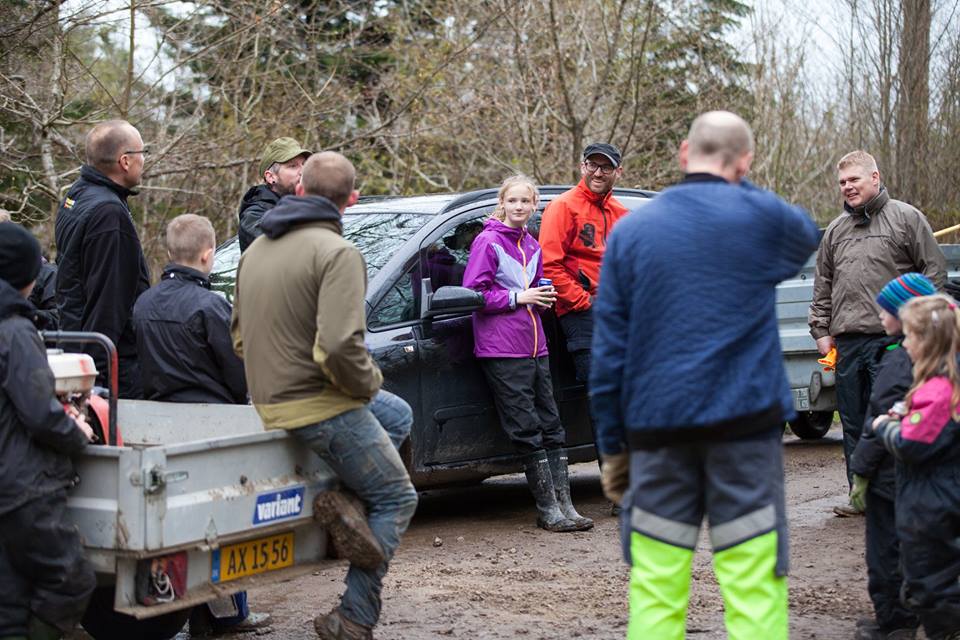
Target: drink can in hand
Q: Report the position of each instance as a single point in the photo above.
(545, 282)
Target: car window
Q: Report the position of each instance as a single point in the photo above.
(376, 235)
(398, 306)
(443, 261)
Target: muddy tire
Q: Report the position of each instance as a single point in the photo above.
(103, 623)
(811, 425)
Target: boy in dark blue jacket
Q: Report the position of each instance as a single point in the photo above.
(874, 480)
(45, 582)
(186, 355)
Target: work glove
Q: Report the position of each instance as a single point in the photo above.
(615, 475)
(858, 493)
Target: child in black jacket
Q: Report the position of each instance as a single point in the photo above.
(45, 582)
(924, 436)
(874, 482)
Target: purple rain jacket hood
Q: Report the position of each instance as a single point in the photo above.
(503, 262)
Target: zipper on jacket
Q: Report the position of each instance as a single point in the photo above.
(527, 285)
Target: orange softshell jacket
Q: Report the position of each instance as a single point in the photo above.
(573, 235)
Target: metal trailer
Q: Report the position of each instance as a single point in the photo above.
(814, 391)
(204, 481)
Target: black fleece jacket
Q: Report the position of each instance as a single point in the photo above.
(256, 202)
(101, 270)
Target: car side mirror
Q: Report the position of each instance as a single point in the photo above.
(453, 300)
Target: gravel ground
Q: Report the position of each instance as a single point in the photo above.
(474, 565)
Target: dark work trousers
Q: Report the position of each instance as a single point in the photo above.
(856, 370)
(884, 578)
(523, 392)
(577, 327)
(42, 569)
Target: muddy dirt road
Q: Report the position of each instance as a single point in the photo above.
(495, 575)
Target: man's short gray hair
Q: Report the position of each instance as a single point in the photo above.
(720, 134)
(106, 142)
(188, 236)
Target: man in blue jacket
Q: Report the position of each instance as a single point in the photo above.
(688, 386)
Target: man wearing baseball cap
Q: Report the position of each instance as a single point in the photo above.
(573, 237)
(280, 166)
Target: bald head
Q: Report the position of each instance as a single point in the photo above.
(115, 149)
(107, 141)
(330, 175)
(720, 135)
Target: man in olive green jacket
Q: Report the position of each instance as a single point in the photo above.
(873, 241)
(299, 323)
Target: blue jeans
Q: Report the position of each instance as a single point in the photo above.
(361, 453)
(394, 415)
(396, 418)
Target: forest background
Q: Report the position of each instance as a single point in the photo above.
(449, 95)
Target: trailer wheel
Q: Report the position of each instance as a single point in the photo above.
(811, 425)
(103, 623)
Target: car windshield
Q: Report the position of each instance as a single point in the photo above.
(377, 235)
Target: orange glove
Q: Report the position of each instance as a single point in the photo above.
(829, 361)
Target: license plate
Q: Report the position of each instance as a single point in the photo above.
(801, 400)
(234, 561)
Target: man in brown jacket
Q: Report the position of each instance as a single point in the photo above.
(873, 241)
(299, 315)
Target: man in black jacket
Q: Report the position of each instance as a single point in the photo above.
(874, 480)
(101, 268)
(45, 582)
(280, 167)
(183, 328)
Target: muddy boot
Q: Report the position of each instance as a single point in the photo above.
(336, 626)
(37, 629)
(550, 517)
(561, 484)
(341, 514)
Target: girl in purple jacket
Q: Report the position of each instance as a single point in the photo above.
(505, 266)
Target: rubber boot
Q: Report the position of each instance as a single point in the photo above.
(754, 597)
(37, 629)
(561, 484)
(550, 517)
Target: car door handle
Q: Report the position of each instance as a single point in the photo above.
(444, 414)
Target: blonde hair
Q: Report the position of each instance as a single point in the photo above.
(511, 181)
(933, 326)
(188, 236)
(858, 158)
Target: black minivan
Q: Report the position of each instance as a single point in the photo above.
(422, 337)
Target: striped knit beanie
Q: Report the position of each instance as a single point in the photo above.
(901, 289)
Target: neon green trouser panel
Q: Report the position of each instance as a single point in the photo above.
(754, 598)
(659, 589)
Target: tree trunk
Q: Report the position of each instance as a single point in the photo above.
(914, 103)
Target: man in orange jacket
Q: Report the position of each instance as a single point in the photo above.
(573, 237)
